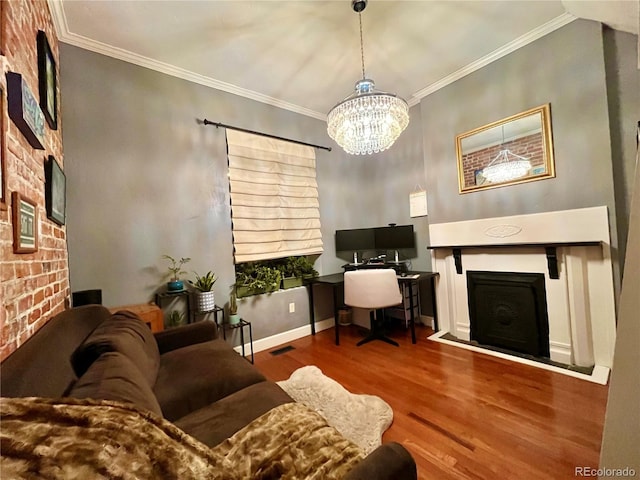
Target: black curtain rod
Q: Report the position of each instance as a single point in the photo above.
(217, 124)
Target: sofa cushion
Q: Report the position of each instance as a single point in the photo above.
(114, 377)
(123, 332)
(40, 367)
(215, 371)
(218, 421)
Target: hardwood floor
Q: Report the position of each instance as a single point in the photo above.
(461, 414)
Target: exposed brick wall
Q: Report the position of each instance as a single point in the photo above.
(33, 286)
(529, 147)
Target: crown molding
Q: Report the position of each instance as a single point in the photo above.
(66, 36)
(510, 47)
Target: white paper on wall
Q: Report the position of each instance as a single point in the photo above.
(418, 204)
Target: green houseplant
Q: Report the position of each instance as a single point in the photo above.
(256, 277)
(234, 318)
(175, 271)
(291, 273)
(304, 267)
(175, 318)
(205, 297)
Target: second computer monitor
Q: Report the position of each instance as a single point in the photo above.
(394, 238)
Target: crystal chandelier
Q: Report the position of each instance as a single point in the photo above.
(367, 121)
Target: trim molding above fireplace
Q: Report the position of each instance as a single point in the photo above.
(580, 294)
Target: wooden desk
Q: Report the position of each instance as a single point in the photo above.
(150, 314)
(336, 281)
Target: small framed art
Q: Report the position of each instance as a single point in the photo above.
(47, 81)
(25, 224)
(24, 110)
(55, 191)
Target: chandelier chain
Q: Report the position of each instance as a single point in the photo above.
(361, 45)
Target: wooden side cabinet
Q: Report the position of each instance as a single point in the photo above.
(150, 314)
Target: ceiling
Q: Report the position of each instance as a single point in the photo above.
(304, 55)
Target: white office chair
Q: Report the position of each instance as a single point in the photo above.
(372, 289)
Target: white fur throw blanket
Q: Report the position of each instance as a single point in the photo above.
(361, 418)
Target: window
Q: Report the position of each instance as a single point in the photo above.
(274, 198)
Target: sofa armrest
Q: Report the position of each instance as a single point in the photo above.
(389, 461)
(185, 335)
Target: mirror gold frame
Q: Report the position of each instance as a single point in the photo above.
(513, 150)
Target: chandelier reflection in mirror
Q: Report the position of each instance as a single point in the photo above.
(506, 166)
(368, 121)
(503, 169)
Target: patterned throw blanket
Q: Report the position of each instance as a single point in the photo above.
(81, 439)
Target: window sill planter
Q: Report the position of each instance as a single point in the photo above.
(243, 291)
(291, 282)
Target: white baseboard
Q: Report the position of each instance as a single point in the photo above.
(284, 337)
(560, 352)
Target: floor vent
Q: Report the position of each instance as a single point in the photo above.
(282, 350)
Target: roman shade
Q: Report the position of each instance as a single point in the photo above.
(274, 198)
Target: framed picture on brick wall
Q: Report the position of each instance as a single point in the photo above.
(55, 191)
(25, 224)
(47, 81)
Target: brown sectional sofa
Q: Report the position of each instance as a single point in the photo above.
(186, 375)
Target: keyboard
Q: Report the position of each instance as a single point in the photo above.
(414, 276)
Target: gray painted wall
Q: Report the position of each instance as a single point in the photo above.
(144, 178)
(566, 69)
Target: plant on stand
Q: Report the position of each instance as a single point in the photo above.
(175, 271)
(205, 297)
(175, 319)
(234, 318)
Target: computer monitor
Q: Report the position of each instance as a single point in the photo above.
(394, 238)
(355, 240)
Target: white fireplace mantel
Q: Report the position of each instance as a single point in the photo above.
(580, 294)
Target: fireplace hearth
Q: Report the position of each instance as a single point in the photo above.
(509, 310)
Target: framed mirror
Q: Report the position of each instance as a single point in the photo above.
(513, 150)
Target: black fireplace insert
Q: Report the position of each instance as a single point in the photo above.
(509, 310)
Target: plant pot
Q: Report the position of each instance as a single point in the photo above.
(234, 319)
(245, 291)
(175, 286)
(291, 282)
(205, 301)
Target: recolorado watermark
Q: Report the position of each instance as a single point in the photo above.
(626, 472)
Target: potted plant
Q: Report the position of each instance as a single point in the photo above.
(175, 318)
(270, 277)
(175, 270)
(234, 318)
(291, 274)
(253, 278)
(305, 267)
(205, 297)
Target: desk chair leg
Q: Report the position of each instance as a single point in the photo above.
(376, 333)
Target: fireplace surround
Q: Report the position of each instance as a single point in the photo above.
(570, 249)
